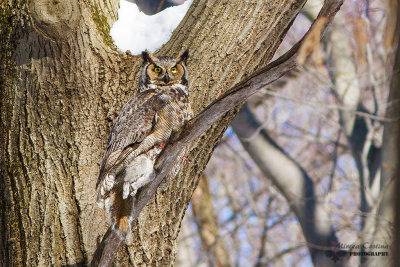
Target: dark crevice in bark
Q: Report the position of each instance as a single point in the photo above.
(78, 224)
(21, 196)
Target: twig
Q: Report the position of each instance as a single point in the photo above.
(335, 152)
(263, 239)
(106, 251)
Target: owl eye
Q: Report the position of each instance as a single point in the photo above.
(157, 69)
(174, 70)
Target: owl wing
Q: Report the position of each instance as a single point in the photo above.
(132, 125)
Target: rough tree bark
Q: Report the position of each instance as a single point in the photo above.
(62, 83)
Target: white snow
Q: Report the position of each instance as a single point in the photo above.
(136, 31)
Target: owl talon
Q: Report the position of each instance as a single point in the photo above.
(109, 182)
(125, 190)
(133, 190)
(102, 191)
(100, 204)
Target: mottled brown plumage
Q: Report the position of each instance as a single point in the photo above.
(144, 124)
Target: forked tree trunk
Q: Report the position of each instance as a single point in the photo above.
(62, 84)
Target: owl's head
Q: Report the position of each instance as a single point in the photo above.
(163, 70)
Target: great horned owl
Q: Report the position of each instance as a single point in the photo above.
(146, 122)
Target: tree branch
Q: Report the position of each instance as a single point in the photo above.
(104, 255)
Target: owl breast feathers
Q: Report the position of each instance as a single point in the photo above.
(146, 122)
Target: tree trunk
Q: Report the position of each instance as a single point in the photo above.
(62, 84)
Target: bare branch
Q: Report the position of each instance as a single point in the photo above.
(205, 119)
(263, 239)
(281, 254)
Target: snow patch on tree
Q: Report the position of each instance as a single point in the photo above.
(136, 31)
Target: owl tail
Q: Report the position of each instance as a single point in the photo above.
(120, 211)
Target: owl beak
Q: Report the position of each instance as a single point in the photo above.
(166, 78)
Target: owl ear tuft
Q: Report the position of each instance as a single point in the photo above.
(184, 56)
(147, 57)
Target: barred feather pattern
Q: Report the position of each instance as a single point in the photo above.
(143, 126)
